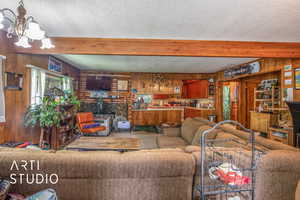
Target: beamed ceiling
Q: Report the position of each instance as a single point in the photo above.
(230, 20)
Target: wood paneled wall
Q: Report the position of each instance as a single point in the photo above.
(296, 65)
(144, 84)
(270, 68)
(16, 101)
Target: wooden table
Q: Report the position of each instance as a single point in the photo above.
(105, 143)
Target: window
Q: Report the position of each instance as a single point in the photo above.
(42, 82)
(2, 99)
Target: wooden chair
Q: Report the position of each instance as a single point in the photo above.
(87, 124)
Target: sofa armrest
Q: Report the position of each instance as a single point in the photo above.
(278, 174)
(172, 131)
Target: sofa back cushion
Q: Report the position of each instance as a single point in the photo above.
(210, 136)
(189, 128)
(260, 141)
(160, 174)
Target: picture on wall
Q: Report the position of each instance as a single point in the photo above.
(13, 81)
(122, 85)
(297, 79)
(54, 65)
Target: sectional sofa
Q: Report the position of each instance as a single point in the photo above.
(169, 173)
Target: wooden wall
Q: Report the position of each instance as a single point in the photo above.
(144, 84)
(296, 64)
(270, 68)
(139, 81)
(16, 101)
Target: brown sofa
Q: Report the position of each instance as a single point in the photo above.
(192, 128)
(148, 174)
(162, 174)
(273, 164)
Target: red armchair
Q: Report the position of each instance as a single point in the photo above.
(86, 123)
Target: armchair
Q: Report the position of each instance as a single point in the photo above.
(87, 124)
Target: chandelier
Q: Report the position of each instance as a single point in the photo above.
(26, 29)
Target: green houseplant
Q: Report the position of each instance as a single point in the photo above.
(50, 113)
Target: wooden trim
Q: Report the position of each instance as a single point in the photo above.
(48, 72)
(160, 47)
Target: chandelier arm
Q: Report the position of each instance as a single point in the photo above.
(10, 11)
(8, 19)
(30, 18)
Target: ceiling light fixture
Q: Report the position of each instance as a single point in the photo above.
(26, 29)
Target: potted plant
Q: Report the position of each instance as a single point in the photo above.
(50, 113)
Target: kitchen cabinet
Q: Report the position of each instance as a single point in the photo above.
(195, 89)
(154, 117)
(262, 121)
(197, 112)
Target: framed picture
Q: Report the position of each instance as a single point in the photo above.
(287, 74)
(13, 81)
(122, 85)
(297, 79)
(54, 65)
(287, 67)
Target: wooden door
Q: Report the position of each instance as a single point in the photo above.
(249, 93)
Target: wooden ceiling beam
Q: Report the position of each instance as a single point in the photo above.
(161, 47)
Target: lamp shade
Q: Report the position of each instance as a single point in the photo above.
(23, 42)
(47, 44)
(34, 31)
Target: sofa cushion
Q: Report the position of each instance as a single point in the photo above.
(172, 131)
(210, 136)
(260, 141)
(171, 142)
(226, 137)
(189, 128)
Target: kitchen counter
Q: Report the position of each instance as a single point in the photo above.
(156, 116)
(172, 108)
(176, 114)
(195, 108)
(158, 109)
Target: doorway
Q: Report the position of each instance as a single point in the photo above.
(230, 100)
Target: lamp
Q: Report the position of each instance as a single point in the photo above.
(46, 44)
(23, 42)
(26, 29)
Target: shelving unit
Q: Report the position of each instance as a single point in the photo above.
(268, 104)
(63, 135)
(281, 135)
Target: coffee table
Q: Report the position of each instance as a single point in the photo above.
(105, 143)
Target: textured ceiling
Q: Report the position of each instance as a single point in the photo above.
(169, 64)
(244, 20)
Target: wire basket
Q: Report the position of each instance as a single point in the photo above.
(228, 173)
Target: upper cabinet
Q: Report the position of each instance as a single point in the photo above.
(195, 89)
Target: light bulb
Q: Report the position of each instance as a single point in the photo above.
(23, 42)
(34, 31)
(46, 44)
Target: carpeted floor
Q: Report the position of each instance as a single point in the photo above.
(148, 140)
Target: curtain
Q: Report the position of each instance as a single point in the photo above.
(2, 98)
(67, 84)
(38, 80)
(226, 103)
